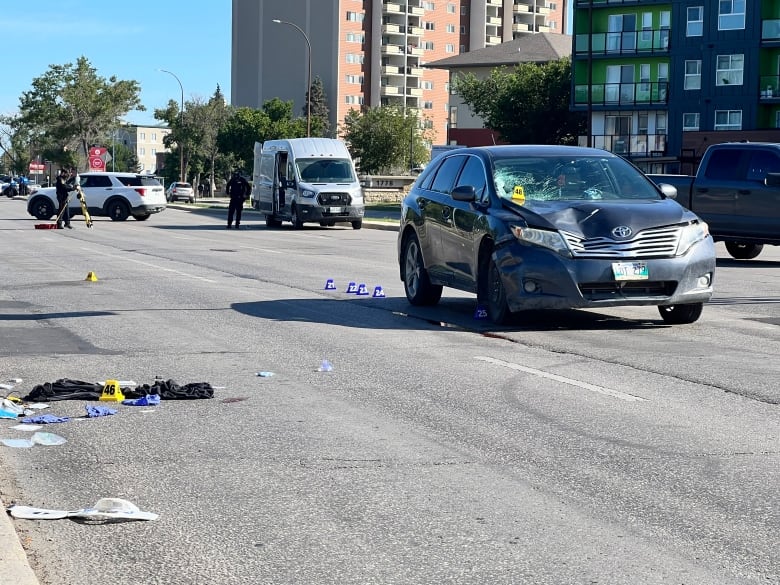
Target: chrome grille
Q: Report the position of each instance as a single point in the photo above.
(654, 242)
(334, 199)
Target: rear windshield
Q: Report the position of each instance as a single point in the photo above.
(182, 185)
(563, 178)
(325, 170)
(139, 181)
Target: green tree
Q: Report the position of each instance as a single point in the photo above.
(527, 105)
(70, 108)
(384, 140)
(320, 121)
(123, 159)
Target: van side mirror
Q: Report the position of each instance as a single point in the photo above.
(288, 183)
(464, 193)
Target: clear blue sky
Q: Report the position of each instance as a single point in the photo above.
(129, 40)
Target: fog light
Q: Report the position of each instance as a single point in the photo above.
(706, 280)
(530, 286)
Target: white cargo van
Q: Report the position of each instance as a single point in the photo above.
(306, 180)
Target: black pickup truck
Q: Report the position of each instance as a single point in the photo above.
(736, 190)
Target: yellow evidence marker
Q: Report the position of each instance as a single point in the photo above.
(112, 392)
(518, 194)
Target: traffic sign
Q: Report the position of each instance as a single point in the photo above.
(96, 163)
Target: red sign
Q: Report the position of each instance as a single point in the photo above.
(96, 151)
(96, 163)
(37, 167)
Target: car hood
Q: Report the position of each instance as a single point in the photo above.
(598, 218)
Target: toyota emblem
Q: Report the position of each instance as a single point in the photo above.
(621, 231)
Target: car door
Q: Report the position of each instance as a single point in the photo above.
(97, 189)
(458, 236)
(436, 212)
(758, 204)
(714, 195)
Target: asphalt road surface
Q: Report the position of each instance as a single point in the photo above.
(573, 447)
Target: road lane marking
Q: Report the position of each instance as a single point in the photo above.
(563, 379)
(155, 266)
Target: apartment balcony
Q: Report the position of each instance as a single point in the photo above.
(392, 8)
(391, 70)
(623, 43)
(495, 2)
(414, 91)
(494, 20)
(521, 8)
(392, 50)
(493, 40)
(769, 88)
(414, 71)
(519, 27)
(392, 29)
(632, 145)
(622, 94)
(416, 31)
(389, 90)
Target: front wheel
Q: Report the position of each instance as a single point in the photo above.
(295, 218)
(497, 306)
(118, 210)
(357, 224)
(743, 251)
(681, 314)
(417, 282)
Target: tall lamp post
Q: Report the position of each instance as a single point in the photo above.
(181, 120)
(308, 87)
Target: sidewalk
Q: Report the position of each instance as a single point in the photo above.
(381, 219)
(14, 567)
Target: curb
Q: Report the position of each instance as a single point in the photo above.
(16, 568)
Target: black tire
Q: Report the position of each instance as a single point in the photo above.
(743, 251)
(271, 221)
(117, 210)
(295, 219)
(417, 282)
(497, 307)
(357, 224)
(42, 208)
(681, 314)
(191, 200)
(142, 217)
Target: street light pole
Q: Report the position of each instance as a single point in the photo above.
(308, 87)
(181, 121)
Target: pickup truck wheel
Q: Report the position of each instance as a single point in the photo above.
(417, 283)
(681, 314)
(743, 251)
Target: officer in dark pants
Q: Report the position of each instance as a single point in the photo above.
(63, 190)
(238, 190)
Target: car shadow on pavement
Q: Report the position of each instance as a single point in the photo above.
(456, 313)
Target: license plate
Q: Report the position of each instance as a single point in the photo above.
(334, 209)
(630, 270)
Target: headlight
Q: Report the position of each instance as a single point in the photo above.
(545, 238)
(307, 193)
(691, 235)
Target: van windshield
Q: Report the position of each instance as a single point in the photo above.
(328, 170)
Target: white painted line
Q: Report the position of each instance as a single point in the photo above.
(155, 266)
(563, 379)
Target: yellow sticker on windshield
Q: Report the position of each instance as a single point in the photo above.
(518, 194)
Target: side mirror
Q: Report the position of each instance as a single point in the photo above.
(464, 193)
(669, 191)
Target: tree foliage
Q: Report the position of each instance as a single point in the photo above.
(384, 140)
(320, 121)
(70, 108)
(528, 105)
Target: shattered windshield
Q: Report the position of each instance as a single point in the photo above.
(562, 178)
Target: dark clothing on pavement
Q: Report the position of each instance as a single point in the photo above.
(238, 191)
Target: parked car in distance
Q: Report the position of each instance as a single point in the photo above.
(107, 194)
(551, 227)
(178, 190)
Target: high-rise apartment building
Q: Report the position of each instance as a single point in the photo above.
(370, 52)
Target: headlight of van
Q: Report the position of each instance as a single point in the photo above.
(308, 193)
(692, 234)
(549, 239)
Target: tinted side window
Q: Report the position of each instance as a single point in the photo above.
(134, 181)
(447, 173)
(473, 174)
(267, 168)
(724, 165)
(96, 181)
(761, 163)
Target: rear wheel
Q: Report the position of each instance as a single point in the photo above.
(681, 314)
(417, 283)
(743, 251)
(117, 210)
(142, 217)
(357, 224)
(497, 307)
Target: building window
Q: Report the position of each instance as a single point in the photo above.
(691, 122)
(642, 123)
(429, 25)
(463, 30)
(695, 26)
(154, 136)
(731, 14)
(355, 16)
(692, 75)
(429, 6)
(354, 99)
(427, 84)
(646, 35)
(428, 105)
(552, 25)
(428, 45)
(660, 123)
(355, 79)
(729, 69)
(353, 58)
(154, 152)
(449, 48)
(142, 151)
(451, 9)
(450, 28)
(463, 10)
(356, 38)
(453, 116)
(463, 48)
(728, 119)
(142, 136)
